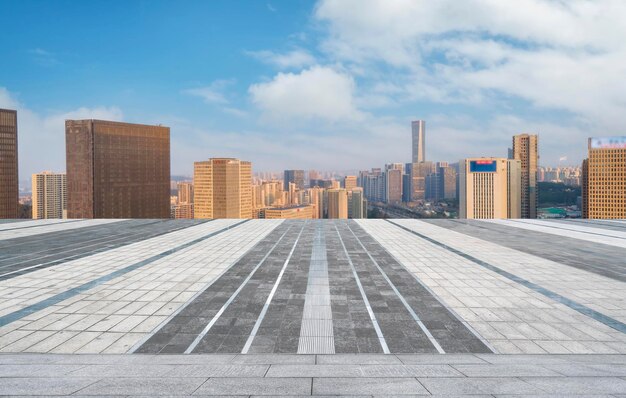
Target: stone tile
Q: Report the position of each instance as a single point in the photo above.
(359, 359)
(274, 359)
(314, 371)
(371, 386)
(43, 386)
(579, 385)
(492, 385)
(507, 370)
(254, 385)
(143, 386)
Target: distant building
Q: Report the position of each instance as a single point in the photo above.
(289, 212)
(117, 170)
(393, 185)
(185, 192)
(604, 179)
(357, 204)
(182, 211)
(222, 188)
(447, 182)
(416, 179)
(525, 149)
(490, 188)
(418, 131)
(294, 176)
(349, 182)
(321, 183)
(337, 203)
(49, 195)
(9, 181)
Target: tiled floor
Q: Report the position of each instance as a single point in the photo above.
(400, 307)
(315, 287)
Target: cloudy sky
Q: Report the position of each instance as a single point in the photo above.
(330, 85)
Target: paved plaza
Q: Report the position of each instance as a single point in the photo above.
(313, 307)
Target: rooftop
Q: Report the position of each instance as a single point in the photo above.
(280, 307)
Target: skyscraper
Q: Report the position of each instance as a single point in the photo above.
(9, 185)
(185, 192)
(525, 149)
(604, 178)
(416, 178)
(393, 185)
(418, 128)
(117, 170)
(357, 204)
(349, 183)
(49, 195)
(337, 203)
(222, 188)
(294, 176)
(447, 182)
(489, 188)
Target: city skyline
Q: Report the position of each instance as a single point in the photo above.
(228, 97)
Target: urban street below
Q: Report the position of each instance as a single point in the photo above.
(313, 307)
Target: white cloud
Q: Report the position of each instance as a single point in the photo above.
(41, 138)
(316, 93)
(480, 71)
(294, 59)
(213, 93)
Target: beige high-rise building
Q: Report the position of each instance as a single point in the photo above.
(9, 184)
(604, 178)
(349, 183)
(185, 192)
(525, 149)
(338, 203)
(222, 188)
(289, 212)
(489, 188)
(117, 170)
(49, 192)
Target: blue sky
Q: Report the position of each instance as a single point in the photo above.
(329, 84)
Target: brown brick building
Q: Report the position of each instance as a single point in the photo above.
(117, 170)
(9, 185)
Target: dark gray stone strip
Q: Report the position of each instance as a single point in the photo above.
(450, 330)
(82, 242)
(404, 302)
(14, 316)
(608, 321)
(364, 296)
(231, 331)
(612, 226)
(352, 326)
(180, 332)
(40, 225)
(565, 229)
(280, 328)
(607, 261)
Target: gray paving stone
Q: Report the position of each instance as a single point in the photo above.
(359, 359)
(42, 386)
(314, 371)
(493, 385)
(47, 370)
(377, 386)
(439, 359)
(579, 385)
(506, 370)
(144, 386)
(256, 385)
(274, 359)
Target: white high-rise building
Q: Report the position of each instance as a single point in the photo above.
(418, 128)
(49, 195)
